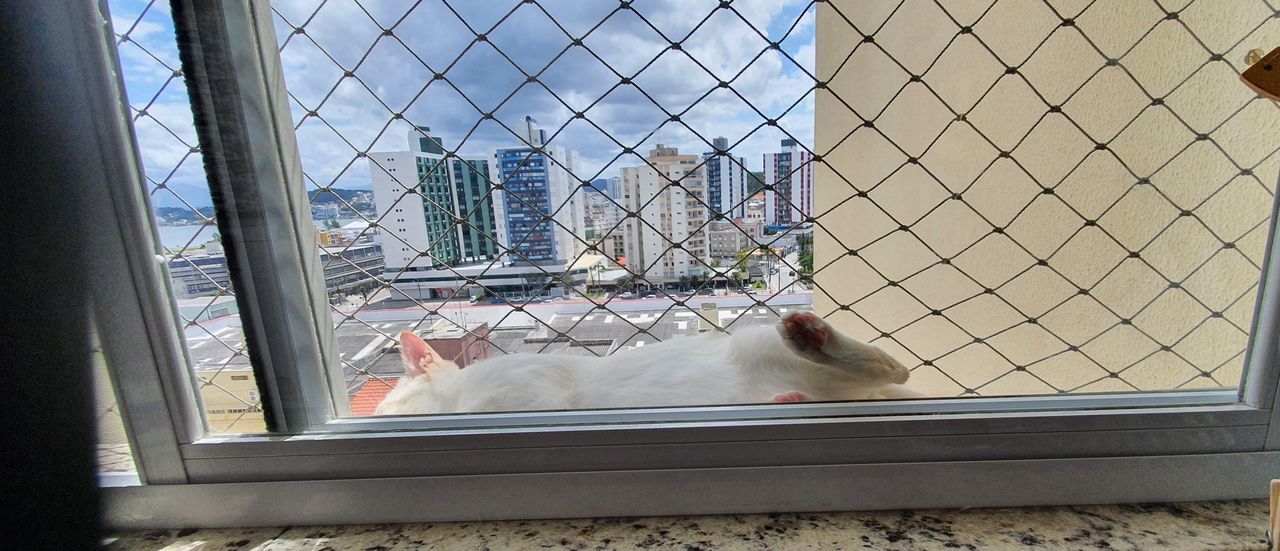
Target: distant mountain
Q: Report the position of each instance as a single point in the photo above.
(181, 215)
(324, 205)
(321, 197)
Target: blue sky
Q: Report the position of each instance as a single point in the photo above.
(358, 113)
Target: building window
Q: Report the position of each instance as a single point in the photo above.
(1089, 261)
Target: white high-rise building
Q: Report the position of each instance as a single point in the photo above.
(601, 213)
(672, 214)
(791, 174)
(427, 221)
(726, 181)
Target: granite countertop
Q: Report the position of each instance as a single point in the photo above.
(1206, 525)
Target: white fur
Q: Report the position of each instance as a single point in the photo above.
(753, 365)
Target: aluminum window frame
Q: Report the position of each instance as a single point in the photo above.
(1199, 444)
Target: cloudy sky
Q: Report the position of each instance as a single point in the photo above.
(396, 76)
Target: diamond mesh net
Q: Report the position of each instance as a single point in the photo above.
(1013, 197)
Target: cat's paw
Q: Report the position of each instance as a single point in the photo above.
(805, 331)
(894, 371)
(790, 397)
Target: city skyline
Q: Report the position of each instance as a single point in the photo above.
(354, 108)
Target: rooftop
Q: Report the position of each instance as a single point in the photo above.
(366, 400)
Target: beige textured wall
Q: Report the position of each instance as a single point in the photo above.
(225, 393)
(1038, 333)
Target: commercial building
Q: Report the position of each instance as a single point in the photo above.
(196, 275)
(542, 209)
(726, 239)
(790, 172)
(726, 181)
(351, 265)
(496, 278)
(452, 219)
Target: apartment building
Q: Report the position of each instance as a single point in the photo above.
(668, 237)
(542, 208)
(726, 181)
(790, 172)
(725, 240)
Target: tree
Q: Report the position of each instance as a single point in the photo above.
(805, 245)
(594, 271)
(331, 224)
(741, 270)
(755, 183)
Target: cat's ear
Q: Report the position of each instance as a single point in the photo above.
(418, 356)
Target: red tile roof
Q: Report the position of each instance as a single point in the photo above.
(366, 400)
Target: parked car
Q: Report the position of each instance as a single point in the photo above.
(497, 300)
(627, 294)
(707, 292)
(650, 295)
(791, 273)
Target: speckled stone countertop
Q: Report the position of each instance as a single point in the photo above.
(1208, 525)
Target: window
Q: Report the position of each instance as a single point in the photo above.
(1068, 260)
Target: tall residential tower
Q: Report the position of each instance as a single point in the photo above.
(542, 209)
(668, 238)
(790, 172)
(726, 181)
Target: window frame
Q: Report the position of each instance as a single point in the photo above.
(1088, 448)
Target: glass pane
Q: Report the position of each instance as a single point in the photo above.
(1024, 199)
(188, 234)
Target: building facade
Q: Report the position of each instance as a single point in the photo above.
(195, 275)
(726, 181)
(614, 188)
(449, 189)
(601, 214)
(790, 172)
(352, 265)
(725, 240)
(671, 242)
(541, 206)
(472, 179)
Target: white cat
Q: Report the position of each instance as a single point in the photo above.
(801, 359)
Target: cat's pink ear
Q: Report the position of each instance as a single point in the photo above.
(417, 355)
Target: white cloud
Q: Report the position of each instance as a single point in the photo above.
(725, 44)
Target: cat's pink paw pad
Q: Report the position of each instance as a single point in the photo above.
(806, 330)
(790, 397)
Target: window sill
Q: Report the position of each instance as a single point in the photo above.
(675, 492)
(1202, 525)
